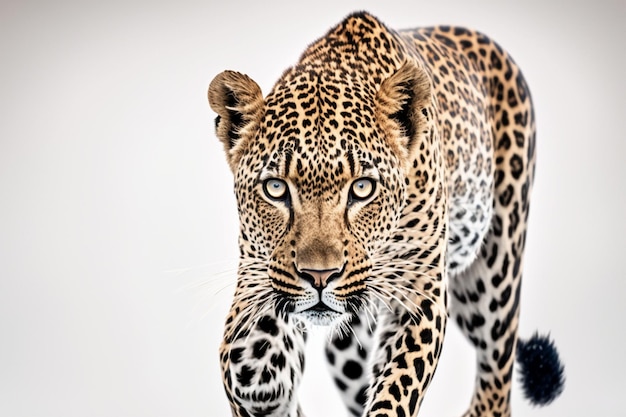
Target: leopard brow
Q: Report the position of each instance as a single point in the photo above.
(366, 166)
(277, 166)
(368, 169)
(358, 166)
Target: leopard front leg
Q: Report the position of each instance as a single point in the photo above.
(348, 355)
(405, 362)
(262, 366)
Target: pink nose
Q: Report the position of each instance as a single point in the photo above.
(320, 277)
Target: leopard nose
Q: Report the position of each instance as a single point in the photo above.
(320, 277)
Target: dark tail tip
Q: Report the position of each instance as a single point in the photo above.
(541, 371)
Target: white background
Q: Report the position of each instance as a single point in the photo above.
(117, 213)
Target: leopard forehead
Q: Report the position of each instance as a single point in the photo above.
(319, 129)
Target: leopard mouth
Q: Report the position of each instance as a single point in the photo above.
(321, 308)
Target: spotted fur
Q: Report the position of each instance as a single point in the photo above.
(384, 171)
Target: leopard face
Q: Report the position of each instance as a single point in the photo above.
(320, 182)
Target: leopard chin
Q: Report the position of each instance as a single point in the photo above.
(323, 317)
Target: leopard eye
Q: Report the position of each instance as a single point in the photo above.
(275, 189)
(362, 189)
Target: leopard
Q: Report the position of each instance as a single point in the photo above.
(383, 187)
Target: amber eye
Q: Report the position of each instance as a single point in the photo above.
(275, 189)
(362, 189)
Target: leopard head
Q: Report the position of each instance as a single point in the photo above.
(320, 168)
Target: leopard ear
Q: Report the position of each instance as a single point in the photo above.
(402, 104)
(239, 105)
